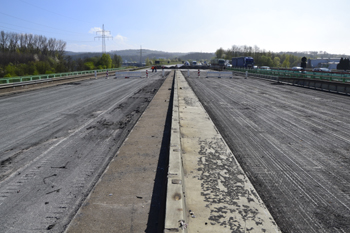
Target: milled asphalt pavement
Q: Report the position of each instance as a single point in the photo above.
(218, 195)
(127, 198)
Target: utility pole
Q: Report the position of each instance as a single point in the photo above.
(104, 34)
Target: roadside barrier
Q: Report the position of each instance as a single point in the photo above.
(50, 76)
(40, 81)
(338, 77)
(313, 83)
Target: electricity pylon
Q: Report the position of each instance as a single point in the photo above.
(104, 34)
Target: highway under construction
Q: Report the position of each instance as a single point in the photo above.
(175, 151)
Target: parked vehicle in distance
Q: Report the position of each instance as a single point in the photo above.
(298, 68)
(194, 63)
(228, 65)
(322, 69)
(186, 63)
(255, 67)
(246, 62)
(218, 64)
(264, 68)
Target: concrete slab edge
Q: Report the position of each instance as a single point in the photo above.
(175, 214)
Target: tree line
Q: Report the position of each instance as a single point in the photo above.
(33, 44)
(261, 56)
(92, 63)
(344, 64)
(28, 54)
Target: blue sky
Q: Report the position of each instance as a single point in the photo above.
(185, 26)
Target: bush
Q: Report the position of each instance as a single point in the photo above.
(89, 65)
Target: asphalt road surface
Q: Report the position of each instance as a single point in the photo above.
(293, 143)
(55, 143)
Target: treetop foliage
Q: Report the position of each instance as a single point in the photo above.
(268, 58)
(344, 64)
(261, 57)
(28, 54)
(33, 44)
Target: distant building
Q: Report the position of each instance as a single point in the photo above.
(330, 63)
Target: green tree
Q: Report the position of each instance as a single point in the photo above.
(42, 67)
(10, 70)
(117, 61)
(220, 53)
(340, 64)
(148, 62)
(277, 62)
(89, 65)
(286, 63)
(105, 61)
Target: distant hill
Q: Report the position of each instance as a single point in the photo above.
(314, 54)
(134, 55)
(198, 56)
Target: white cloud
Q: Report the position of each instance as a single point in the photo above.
(120, 38)
(94, 30)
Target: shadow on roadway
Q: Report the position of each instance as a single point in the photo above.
(156, 215)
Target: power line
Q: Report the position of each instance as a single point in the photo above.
(26, 28)
(39, 23)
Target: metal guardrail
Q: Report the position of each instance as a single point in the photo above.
(38, 81)
(50, 76)
(313, 83)
(297, 74)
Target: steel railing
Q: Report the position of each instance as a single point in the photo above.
(50, 76)
(297, 74)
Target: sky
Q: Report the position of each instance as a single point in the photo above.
(184, 26)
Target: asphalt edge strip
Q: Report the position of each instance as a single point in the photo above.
(175, 214)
